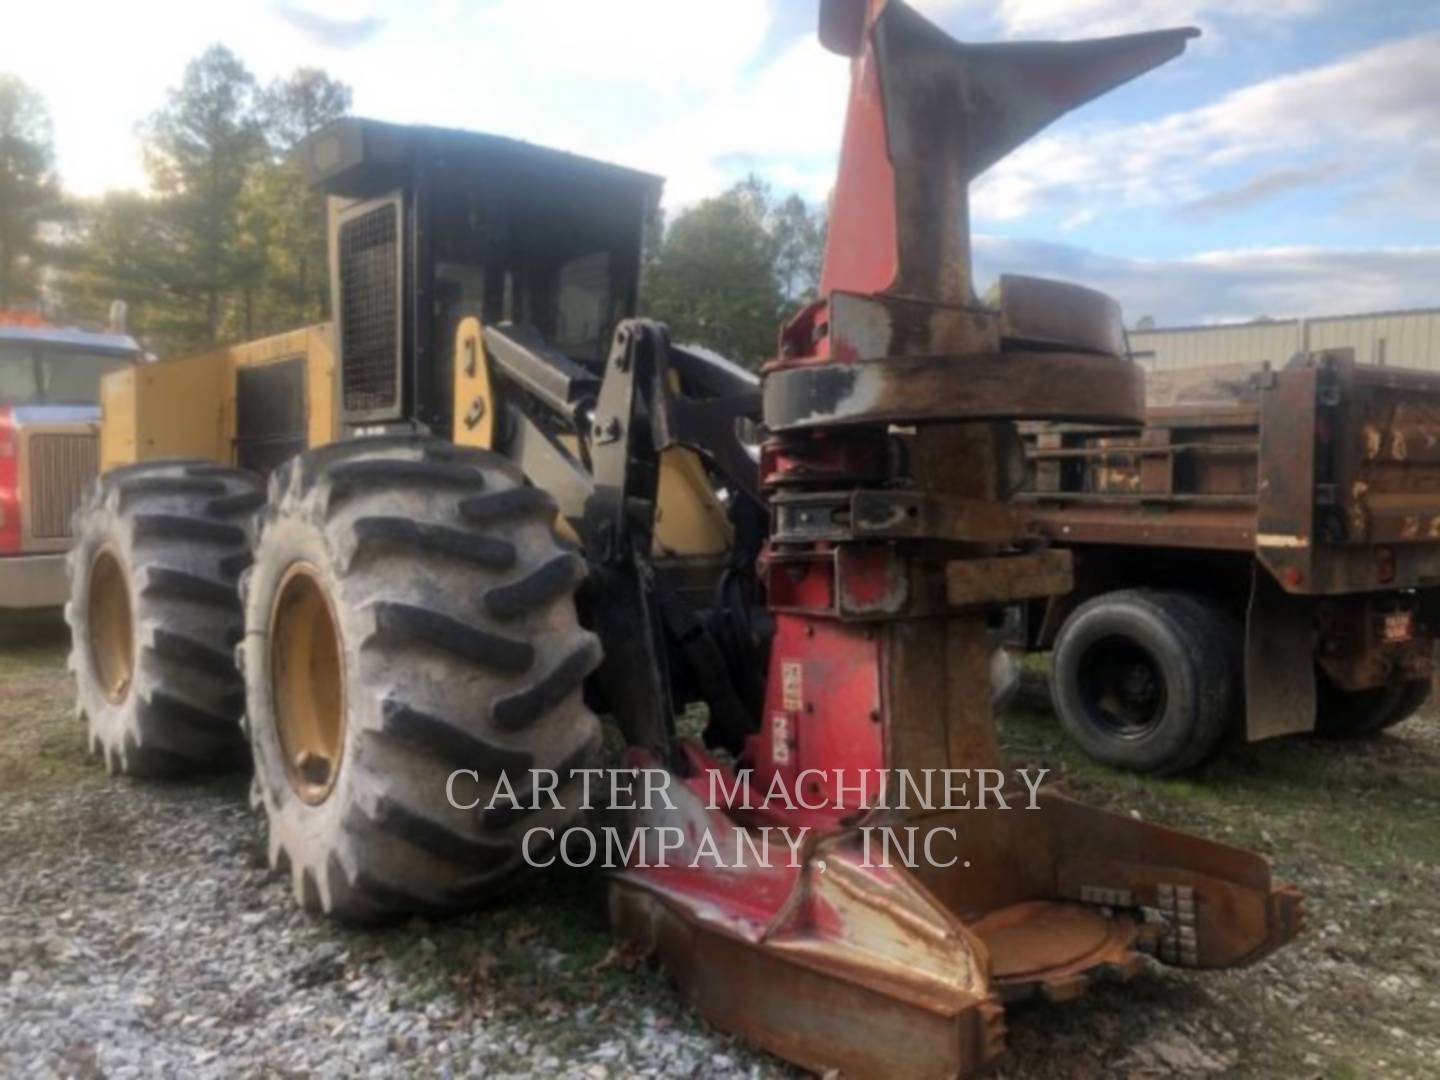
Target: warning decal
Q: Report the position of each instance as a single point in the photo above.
(792, 688)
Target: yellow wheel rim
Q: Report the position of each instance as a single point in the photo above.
(308, 677)
(112, 634)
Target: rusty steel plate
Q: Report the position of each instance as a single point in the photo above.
(1072, 386)
(1057, 313)
(1049, 943)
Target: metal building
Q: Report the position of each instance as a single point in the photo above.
(1391, 338)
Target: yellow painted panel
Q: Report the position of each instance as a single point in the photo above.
(320, 381)
(689, 519)
(180, 409)
(311, 344)
(473, 419)
(117, 419)
(271, 350)
(186, 407)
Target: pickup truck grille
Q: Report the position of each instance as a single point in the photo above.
(60, 467)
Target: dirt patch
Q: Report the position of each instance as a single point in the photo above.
(38, 747)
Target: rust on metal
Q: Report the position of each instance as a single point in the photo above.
(1285, 511)
(1007, 578)
(829, 961)
(888, 464)
(897, 514)
(918, 515)
(1310, 468)
(932, 389)
(1144, 522)
(953, 109)
(1041, 312)
(1279, 660)
(1366, 641)
(1326, 472)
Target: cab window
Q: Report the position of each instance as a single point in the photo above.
(48, 375)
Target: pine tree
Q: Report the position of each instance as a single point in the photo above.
(29, 189)
(285, 218)
(200, 152)
(799, 234)
(115, 248)
(729, 270)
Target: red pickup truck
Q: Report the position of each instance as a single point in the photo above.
(49, 443)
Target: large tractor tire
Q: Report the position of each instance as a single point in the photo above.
(155, 615)
(410, 613)
(1146, 680)
(1358, 714)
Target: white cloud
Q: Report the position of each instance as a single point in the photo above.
(1378, 106)
(103, 68)
(1099, 18)
(329, 31)
(1233, 284)
(1261, 187)
(659, 44)
(576, 75)
(676, 88)
(784, 123)
(1083, 216)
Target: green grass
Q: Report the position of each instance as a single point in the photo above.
(1365, 803)
(1355, 824)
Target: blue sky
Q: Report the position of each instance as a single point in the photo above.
(1288, 163)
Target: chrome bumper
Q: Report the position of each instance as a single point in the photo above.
(33, 581)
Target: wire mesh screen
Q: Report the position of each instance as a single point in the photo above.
(370, 309)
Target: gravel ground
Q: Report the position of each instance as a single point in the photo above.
(142, 935)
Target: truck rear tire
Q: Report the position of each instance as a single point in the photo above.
(1146, 680)
(154, 615)
(1415, 697)
(410, 613)
(1357, 714)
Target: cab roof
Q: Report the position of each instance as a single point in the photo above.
(358, 158)
(69, 337)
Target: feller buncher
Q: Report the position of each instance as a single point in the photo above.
(498, 504)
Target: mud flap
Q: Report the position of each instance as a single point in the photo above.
(1279, 660)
